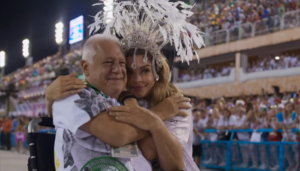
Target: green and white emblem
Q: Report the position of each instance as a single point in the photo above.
(104, 164)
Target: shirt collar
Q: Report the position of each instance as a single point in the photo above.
(97, 91)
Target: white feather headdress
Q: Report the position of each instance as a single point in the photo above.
(150, 25)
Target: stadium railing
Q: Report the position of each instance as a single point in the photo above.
(267, 25)
(274, 152)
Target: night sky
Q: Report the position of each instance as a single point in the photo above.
(35, 20)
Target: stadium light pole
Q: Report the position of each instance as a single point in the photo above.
(59, 35)
(2, 62)
(26, 48)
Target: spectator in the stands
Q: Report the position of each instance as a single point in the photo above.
(208, 72)
(7, 126)
(185, 76)
(242, 136)
(2, 140)
(197, 134)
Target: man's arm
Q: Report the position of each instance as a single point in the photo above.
(118, 134)
(69, 114)
(112, 132)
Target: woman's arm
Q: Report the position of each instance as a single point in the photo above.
(175, 104)
(147, 147)
(62, 87)
(169, 149)
(49, 104)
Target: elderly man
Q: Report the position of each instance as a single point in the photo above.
(86, 135)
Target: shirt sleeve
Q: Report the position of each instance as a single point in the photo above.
(181, 126)
(221, 122)
(74, 111)
(69, 116)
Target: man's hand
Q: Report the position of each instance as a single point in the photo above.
(64, 86)
(131, 113)
(172, 106)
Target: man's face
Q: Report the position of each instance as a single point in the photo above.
(203, 115)
(108, 70)
(197, 116)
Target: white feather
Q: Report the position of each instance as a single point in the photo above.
(163, 33)
(161, 21)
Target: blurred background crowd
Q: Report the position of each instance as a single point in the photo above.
(247, 79)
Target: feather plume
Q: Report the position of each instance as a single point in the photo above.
(150, 25)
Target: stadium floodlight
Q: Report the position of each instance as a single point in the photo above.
(2, 59)
(59, 32)
(108, 9)
(26, 48)
(277, 57)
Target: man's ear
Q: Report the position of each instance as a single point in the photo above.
(85, 66)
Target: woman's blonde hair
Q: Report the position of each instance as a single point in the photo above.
(162, 88)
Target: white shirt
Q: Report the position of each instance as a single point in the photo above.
(74, 148)
(294, 61)
(289, 122)
(182, 129)
(213, 136)
(186, 77)
(225, 71)
(199, 128)
(204, 122)
(243, 136)
(232, 120)
(223, 122)
(287, 60)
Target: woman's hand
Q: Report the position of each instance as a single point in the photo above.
(171, 107)
(64, 86)
(131, 113)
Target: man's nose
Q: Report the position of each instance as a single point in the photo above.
(116, 68)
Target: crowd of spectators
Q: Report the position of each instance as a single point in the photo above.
(277, 111)
(265, 63)
(287, 60)
(45, 69)
(207, 73)
(224, 14)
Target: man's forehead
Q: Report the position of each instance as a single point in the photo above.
(108, 49)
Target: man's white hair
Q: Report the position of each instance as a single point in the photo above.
(89, 48)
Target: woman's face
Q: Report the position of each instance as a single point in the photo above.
(240, 113)
(140, 81)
